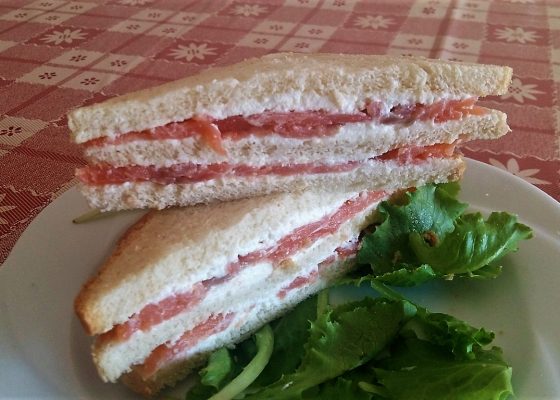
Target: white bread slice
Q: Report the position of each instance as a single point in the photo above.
(290, 82)
(369, 175)
(262, 281)
(357, 141)
(168, 252)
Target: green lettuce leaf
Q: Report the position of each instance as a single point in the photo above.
(428, 237)
(338, 389)
(219, 370)
(341, 340)
(458, 337)
(430, 208)
(420, 370)
(473, 244)
(200, 392)
(219, 367)
(406, 276)
(290, 335)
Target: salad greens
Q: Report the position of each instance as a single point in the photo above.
(377, 348)
(340, 340)
(430, 236)
(387, 347)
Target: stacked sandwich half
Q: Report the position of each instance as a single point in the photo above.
(324, 137)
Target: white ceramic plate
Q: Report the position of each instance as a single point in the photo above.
(44, 353)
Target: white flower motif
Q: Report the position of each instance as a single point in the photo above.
(4, 209)
(193, 51)
(374, 22)
(512, 166)
(518, 35)
(520, 92)
(65, 36)
(248, 10)
(135, 2)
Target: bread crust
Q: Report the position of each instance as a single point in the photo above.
(82, 300)
(288, 81)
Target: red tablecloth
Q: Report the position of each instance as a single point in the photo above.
(56, 55)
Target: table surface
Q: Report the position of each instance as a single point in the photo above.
(57, 55)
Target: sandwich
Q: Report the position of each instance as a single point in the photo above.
(183, 282)
(303, 148)
(286, 123)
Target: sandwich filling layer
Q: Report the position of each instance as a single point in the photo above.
(299, 125)
(192, 173)
(167, 354)
(164, 354)
(277, 255)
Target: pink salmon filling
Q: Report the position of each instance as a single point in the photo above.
(102, 174)
(164, 353)
(299, 125)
